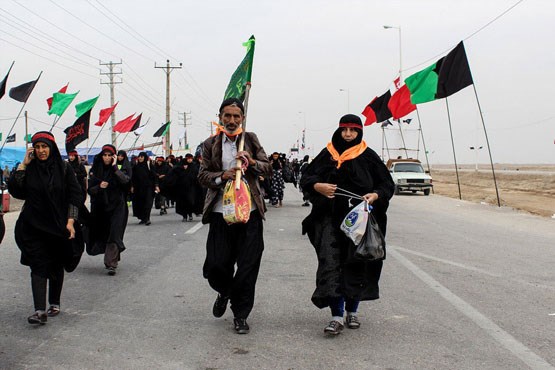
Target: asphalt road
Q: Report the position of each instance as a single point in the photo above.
(465, 286)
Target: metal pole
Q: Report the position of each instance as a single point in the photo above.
(453, 145)
(424, 145)
(489, 149)
(26, 130)
(403, 139)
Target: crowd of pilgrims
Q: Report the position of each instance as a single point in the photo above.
(114, 184)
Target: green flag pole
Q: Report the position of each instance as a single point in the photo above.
(242, 142)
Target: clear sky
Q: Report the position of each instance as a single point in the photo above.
(307, 52)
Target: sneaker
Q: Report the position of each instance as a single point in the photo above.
(37, 318)
(352, 321)
(333, 328)
(220, 305)
(241, 326)
(111, 271)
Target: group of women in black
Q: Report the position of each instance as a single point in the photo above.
(48, 231)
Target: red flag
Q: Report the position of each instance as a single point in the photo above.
(105, 114)
(125, 125)
(368, 112)
(62, 90)
(400, 104)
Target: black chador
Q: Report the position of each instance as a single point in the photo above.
(182, 186)
(144, 182)
(108, 188)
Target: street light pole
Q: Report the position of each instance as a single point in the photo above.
(476, 152)
(400, 50)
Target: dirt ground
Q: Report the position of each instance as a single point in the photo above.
(530, 188)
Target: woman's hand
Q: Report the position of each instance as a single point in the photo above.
(70, 228)
(104, 184)
(370, 197)
(29, 156)
(327, 190)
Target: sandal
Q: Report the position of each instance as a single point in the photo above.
(53, 311)
(37, 318)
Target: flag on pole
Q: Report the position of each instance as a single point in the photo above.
(136, 122)
(139, 131)
(377, 110)
(4, 82)
(242, 75)
(49, 100)
(105, 114)
(394, 103)
(85, 106)
(124, 125)
(60, 102)
(78, 132)
(28, 138)
(162, 130)
(444, 78)
(11, 138)
(21, 93)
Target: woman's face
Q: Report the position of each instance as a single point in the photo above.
(42, 151)
(141, 159)
(275, 157)
(121, 158)
(107, 158)
(349, 134)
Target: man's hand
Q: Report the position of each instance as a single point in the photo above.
(327, 190)
(245, 154)
(230, 174)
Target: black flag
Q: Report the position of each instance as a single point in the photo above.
(10, 139)
(4, 81)
(137, 123)
(162, 130)
(78, 132)
(21, 93)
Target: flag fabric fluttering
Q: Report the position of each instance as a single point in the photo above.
(50, 99)
(105, 114)
(444, 78)
(139, 130)
(394, 103)
(136, 122)
(4, 82)
(407, 121)
(124, 125)
(242, 75)
(21, 93)
(162, 130)
(387, 123)
(10, 139)
(377, 110)
(28, 138)
(79, 131)
(85, 106)
(60, 102)
(400, 104)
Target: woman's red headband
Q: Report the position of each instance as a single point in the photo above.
(42, 135)
(108, 148)
(351, 125)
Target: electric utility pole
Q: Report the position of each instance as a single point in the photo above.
(111, 75)
(168, 69)
(184, 117)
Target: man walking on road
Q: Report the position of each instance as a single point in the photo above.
(240, 243)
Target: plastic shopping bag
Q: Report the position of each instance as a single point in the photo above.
(236, 204)
(354, 224)
(372, 246)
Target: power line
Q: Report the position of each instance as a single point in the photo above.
(466, 38)
(61, 29)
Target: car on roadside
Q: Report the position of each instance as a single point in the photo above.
(408, 175)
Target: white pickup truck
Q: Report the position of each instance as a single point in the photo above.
(408, 175)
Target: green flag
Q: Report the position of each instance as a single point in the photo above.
(423, 85)
(60, 102)
(85, 106)
(162, 130)
(28, 138)
(242, 75)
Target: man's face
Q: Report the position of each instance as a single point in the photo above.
(231, 117)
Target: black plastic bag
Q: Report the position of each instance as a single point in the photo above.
(372, 245)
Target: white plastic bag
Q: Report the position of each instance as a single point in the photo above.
(354, 224)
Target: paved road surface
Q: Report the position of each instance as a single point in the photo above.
(465, 286)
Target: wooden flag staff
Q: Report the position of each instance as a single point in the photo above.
(242, 142)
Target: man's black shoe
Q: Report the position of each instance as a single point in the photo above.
(241, 326)
(220, 306)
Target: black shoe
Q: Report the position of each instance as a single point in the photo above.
(38, 318)
(306, 204)
(220, 306)
(111, 271)
(141, 222)
(241, 326)
(190, 219)
(148, 223)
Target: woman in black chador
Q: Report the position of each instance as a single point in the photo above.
(108, 188)
(47, 220)
(183, 187)
(346, 163)
(144, 183)
(79, 169)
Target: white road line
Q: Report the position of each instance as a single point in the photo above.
(195, 228)
(475, 269)
(502, 337)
